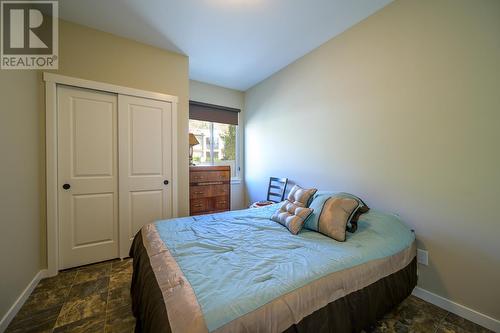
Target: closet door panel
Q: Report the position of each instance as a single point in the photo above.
(92, 214)
(145, 149)
(93, 139)
(145, 207)
(146, 141)
(87, 176)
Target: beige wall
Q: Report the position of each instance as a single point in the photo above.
(403, 109)
(208, 93)
(20, 183)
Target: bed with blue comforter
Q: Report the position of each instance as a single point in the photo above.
(239, 271)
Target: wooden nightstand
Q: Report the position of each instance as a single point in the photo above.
(209, 189)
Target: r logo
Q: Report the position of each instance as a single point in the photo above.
(27, 28)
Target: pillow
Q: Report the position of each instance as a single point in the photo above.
(318, 202)
(301, 196)
(334, 216)
(291, 215)
(352, 226)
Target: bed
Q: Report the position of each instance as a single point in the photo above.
(239, 271)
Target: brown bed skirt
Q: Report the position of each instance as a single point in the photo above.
(147, 299)
(351, 313)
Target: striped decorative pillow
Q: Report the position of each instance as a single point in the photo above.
(291, 216)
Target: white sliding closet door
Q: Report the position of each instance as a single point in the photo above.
(145, 163)
(87, 176)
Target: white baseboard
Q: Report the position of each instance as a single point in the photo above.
(14, 309)
(458, 309)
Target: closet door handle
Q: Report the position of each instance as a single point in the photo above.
(66, 186)
(165, 182)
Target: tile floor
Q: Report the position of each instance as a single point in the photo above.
(96, 298)
(416, 315)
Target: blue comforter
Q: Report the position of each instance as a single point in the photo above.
(237, 261)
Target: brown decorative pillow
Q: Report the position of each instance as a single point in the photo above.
(301, 196)
(291, 215)
(335, 215)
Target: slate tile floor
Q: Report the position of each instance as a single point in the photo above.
(96, 298)
(416, 315)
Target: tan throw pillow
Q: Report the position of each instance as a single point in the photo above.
(291, 216)
(334, 216)
(301, 196)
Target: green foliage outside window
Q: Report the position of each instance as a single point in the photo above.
(229, 138)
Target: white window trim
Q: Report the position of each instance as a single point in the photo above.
(212, 141)
(237, 178)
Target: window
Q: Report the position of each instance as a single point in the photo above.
(219, 146)
(216, 129)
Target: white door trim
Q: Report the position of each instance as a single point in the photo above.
(51, 82)
(107, 87)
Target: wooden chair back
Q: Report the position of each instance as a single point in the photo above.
(276, 189)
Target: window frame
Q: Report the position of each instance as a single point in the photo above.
(236, 179)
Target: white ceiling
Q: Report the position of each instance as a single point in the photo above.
(230, 43)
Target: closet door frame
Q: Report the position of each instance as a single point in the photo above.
(51, 82)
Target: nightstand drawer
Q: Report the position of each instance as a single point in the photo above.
(219, 190)
(198, 205)
(199, 177)
(209, 176)
(220, 176)
(221, 203)
(200, 192)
